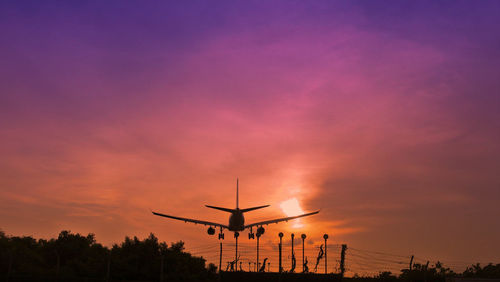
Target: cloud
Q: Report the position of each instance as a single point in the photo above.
(389, 125)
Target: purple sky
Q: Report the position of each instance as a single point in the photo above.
(385, 114)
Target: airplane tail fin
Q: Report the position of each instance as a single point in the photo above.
(226, 209)
(254, 208)
(219, 208)
(238, 200)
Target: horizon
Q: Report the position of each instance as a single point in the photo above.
(358, 262)
(384, 115)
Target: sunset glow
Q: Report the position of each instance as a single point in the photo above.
(384, 115)
(292, 207)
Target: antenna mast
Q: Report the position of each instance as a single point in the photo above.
(237, 194)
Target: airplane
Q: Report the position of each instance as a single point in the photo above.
(236, 220)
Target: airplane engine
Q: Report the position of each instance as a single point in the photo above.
(211, 231)
(261, 230)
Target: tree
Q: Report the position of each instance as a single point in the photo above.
(79, 256)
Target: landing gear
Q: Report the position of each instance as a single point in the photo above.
(221, 235)
(251, 235)
(260, 231)
(211, 230)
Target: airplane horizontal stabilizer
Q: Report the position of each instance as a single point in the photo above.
(219, 208)
(254, 208)
(280, 219)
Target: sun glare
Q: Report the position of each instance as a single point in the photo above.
(292, 207)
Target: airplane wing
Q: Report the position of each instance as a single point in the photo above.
(195, 221)
(280, 219)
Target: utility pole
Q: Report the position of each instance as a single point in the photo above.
(280, 247)
(326, 255)
(303, 236)
(342, 260)
(220, 257)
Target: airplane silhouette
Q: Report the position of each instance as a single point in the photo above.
(236, 220)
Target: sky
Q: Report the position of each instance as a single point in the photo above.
(383, 114)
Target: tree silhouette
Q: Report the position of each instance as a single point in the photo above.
(74, 255)
(476, 271)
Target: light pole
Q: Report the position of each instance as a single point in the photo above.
(236, 235)
(326, 257)
(258, 236)
(303, 236)
(220, 257)
(281, 243)
(293, 253)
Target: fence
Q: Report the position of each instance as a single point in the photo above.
(318, 257)
(356, 262)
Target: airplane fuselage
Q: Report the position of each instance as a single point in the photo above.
(237, 221)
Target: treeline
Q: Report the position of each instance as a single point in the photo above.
(439, 273)
(71, 256)
(74, 257)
